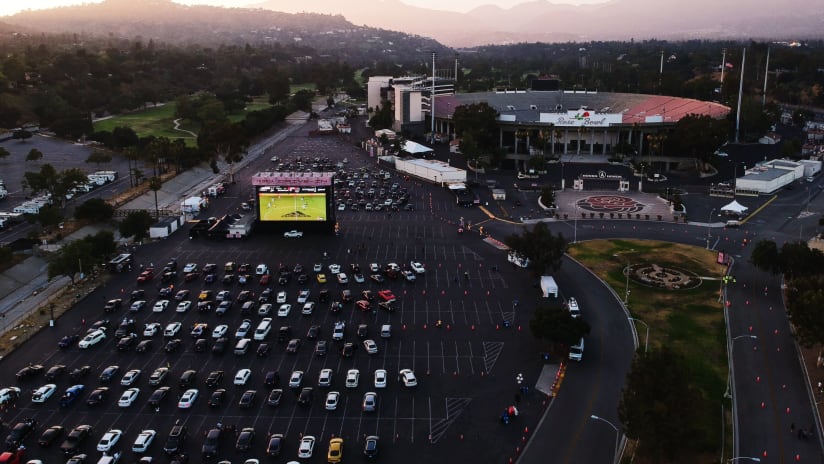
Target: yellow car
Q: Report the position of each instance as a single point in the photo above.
(335, 453)
(321, 278)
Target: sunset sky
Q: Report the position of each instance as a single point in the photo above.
(10, 7)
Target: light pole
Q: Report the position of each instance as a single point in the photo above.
(627, 270)
(575, 228)
(617, 434)
(646, 337)
(744, 457)
(708, 228)
(728, 394)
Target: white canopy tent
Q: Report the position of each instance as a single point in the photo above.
(734, 208)
(414, 148)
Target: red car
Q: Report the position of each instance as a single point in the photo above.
(191, 276)
(264, 279)
(386, 295)
(146, 275)
(363, 305)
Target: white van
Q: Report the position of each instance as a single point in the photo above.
(242, 346)
(386, 331)
(576, 352)
(263, 329)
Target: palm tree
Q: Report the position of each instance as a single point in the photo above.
(156, 184)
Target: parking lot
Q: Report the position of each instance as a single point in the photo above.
(449, 327)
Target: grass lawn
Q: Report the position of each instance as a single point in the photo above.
(295, 88)
(691, 321)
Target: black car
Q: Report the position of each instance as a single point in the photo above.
(220, 345)
(75, 438)
(266, 296)
(176, 439)
(50, 435)
(201, 344)
(55, 371)
(271, 379)
(67, 342)
(137, 295)
(125, 327)
(168, 276)
(218, 398)
(211, 445)
(283, 333)
(187, 378)
(143, 346)
(205, 305)
(112, 305)
(263, 349)
(348, 350)
(370, 447)
(172, 345)
(321, 347)
(158, 396)
(98, 396)
(244, 296)
(79, 372)
(275, 445)
(109, 373)
(313, 332)
(362, 331)
(245, 439)
(101, 324)
(335, 307)
(125, 343)
(305, 397)
(274, 397)
(223, 307)
(293, 346)
(247, 399)
(302, 279)
(228, 279)
(19, 432)
(32, 370)
(323, 296)
(214, 378)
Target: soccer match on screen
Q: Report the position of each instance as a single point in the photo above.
(292, 206)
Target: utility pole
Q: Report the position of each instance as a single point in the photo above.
(723, 68)
(740, 94)
(766, 74)
(432, 99)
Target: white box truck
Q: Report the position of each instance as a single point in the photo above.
(549, 287)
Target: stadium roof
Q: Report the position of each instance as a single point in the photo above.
(296, 179)
(526, 106)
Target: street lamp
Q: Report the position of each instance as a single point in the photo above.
(617, 433)
(646, 337)
(708, 228)
(575, 228)
(627, 270)
(728, 394)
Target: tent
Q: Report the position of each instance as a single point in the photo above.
(734, 208)
(414, 148)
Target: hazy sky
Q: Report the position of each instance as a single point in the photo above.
(10, 7)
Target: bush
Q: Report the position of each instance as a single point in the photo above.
(94, 210)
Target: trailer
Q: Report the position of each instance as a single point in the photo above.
(549, 287)
(193, 205)
(241, 227)
(165, 227)
(28, 207)
(102, 177)
(498, 194)
(434, 171)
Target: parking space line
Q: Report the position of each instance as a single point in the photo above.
(443, 358)
(471, 358)
(395, 422)
(343, 415)
(429, 399)
(412, 428)
(457, 359)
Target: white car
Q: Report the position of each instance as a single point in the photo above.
(223, 295)
(137, 305)
(342, 278)
(281, 297)
(380, 378)
(128, 397)
(43, 393)
(242, 376)
(334, 268)
(261, 269)
(264, 309)
(93, 338)
(284, 309)
(183, 306)
(199, 329)
(308, 307)
(244, 328)
(417, 267)
(109, 439)
(307, 444)
(572, 305)
(296, 379)
(370, 346)
(303, 296)
(325, 378)
(150, 329)
(359, 278)
(188, 399)
(144, 439)
(293, 234)
(409, 275)
(130, 377)
(352, 377)
(337, 331)
(374, 267)
(9, 394)
(220, 331)
(172, 329)
(317, 267)
(332, 399)
(408, 377)
(190, 267)
(160, 305)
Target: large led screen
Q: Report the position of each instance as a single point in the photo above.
(292, 205)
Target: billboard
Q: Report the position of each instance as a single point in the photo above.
(292, 203)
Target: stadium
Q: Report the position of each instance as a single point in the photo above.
(288, 200)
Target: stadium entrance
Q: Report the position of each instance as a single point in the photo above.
(601, 181)
(295, 200)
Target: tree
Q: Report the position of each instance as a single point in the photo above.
(661, 405)
(224, 140)
(34, 155)
(479, 120)
(698, 136)
(557, 326)
(94, 210)
(123, 137)
(69, 259)
(4, 153)
(155, 184)
(21, 135)
(48, 216)
(136, 224)
(99, 157)
(543, 249)
(765, 256)
(276, 84)
(384, 116)
(302, 99)
(470, 151)
(804, 302)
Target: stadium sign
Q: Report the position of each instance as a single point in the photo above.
(581, 118)
(295, 179)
